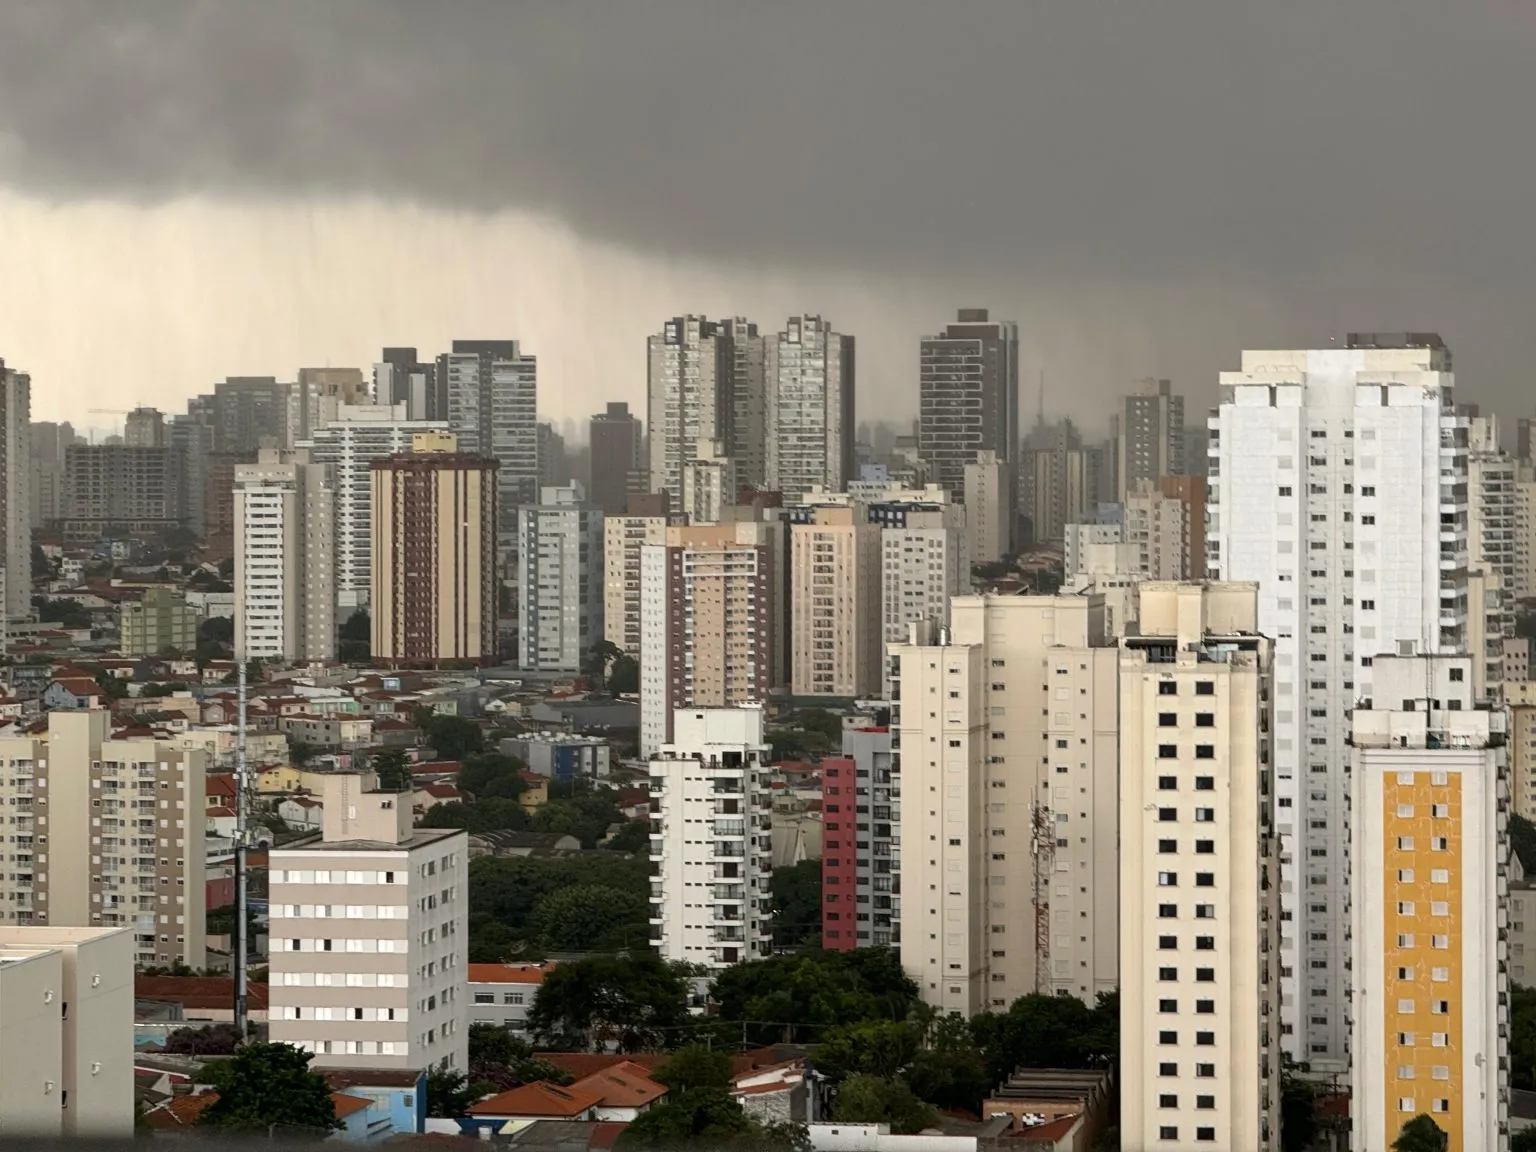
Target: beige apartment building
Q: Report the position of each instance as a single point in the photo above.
(66, 1033)
(1199, 874)
(623, 537)
(368, 936)
(708, 619)
(988, 508)
(105, 833)
(162, 621)
(1007, 725)
(835, 596)
(435, 587)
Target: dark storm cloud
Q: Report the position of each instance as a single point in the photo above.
(1368, 162)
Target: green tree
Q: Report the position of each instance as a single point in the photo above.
(1523, 1141)
(453, 737)
(1298, 1111)
(63, 611)
(808, 992)
(1522, 1037)
(624, 675)
(448, 1092)
(950, 1071)
(505, 890)
(301, 753)
(634, 836)
(709, 1118)
(1047, 1032)
(881, 1048)
(598, 658)
(695, 1066)
(796, 891)
(866, 1099)
(498, 1059)
(157, 691)
(587, 917)
(1522, 838)
(393, 769)
(209, 1040)
(828, 724)
(356, 638)
(486, 774)
(495, 814)
(113, 687)
(793, 744)
(632, 1001)
(263, 1085)
(1421, 1134)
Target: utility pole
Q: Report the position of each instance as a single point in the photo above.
(242, 818)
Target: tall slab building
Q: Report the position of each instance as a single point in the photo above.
(968, 395)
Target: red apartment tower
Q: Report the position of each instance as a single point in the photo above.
(860, 887)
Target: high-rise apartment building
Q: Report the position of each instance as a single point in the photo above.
(988, 508)
(835, 601)
(106, 833)
(144, 428)
(808, 420)
(190, 436)
(691, 396)
(249, 413)
(1150, 440)
(66, 1033)
(1158, 527)
(923, 562)
(1006, 742)
(434, 595)
(1338, 482)
(48, 476)
(711, 900)
(1058, 484)
(1525, 531)
(118, 490)
(708, 605)
(623, 537)
(1191, 492)
(711, 484)
(349, 443)
(1491, 496)
(1199, 909)
(369, 962)
(746, 439)
(285, 566)
(560, 580)
(16, 488)
(616, 447)
(1428, 856)
(968, 395)
(318, 396)
(860, 856)
(492, 392)
(400, 377)
(161, 621)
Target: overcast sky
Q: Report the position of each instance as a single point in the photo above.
(195, 189)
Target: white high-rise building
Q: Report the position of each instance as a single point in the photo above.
(492, 395)
(710, 484)
(623, 538)
(350, 443)
(16, 489)
(712, 839)
(1428, 907)
(1491, 516)
(66, 1033)
(369, 964)
(285, 571)
(560, 585)
(988, 507)
(808, 370)
(106, 833)
(691, 397)
(1007, 725)
(1199, 908)
(1338, 483)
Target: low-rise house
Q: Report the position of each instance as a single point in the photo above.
(787, 1092)
(221, 821)
(623, 1092)
(202, 999)
(502, 994)
(399, 1096)
(511, 1111)
(429, 796)
(301, 813)
(74, 692)
(334, 731)
(510, 843)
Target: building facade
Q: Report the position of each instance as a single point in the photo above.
(160, 622)
(560, 580)
(1338, 482)
(987, 914)
(691, 395)
(710, 906)
(369, 934)
(617, 446)
(349, 442)
(16, 474)
(988, 508)
(623, 538)
(1429, 855)
(860, 857)
(835, 599)
(285, 568)
(1150, 436)
(117, 490)
(434, 595)
(492, 392)
(1199, 910)
(968, 395)
(107, 833)
(808, 416)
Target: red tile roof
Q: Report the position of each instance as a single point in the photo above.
(79, 686)
(196, 991)
(580, 1065)
(605, 1134)
(540, 1099)
(624, 1085)
(221, 810)
(508, 973)
(179, 1111)
(347, 1105)
(1049, 1132)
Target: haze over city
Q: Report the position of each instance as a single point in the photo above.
(197, 190)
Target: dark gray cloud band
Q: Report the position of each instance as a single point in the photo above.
(1366, 162)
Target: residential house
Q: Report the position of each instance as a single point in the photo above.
(429, 796)
(399, 1096)
(787, 1092)
(623, 1091)
(509, 843)
(74, 692)
(335, 731)
(221, 821)
(301, 813)
(509, 1112)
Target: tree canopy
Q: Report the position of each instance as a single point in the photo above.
(591, 917)
(695, 1066)
(708, 1118)
(802, 995)
(1421, 1134)
(634, 1002)
(266, 1085)
(867, 1099)
(1048, 1032)
(796, 891)
(452, 737)
(394, 770)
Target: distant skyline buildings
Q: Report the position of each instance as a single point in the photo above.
(968, 395)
